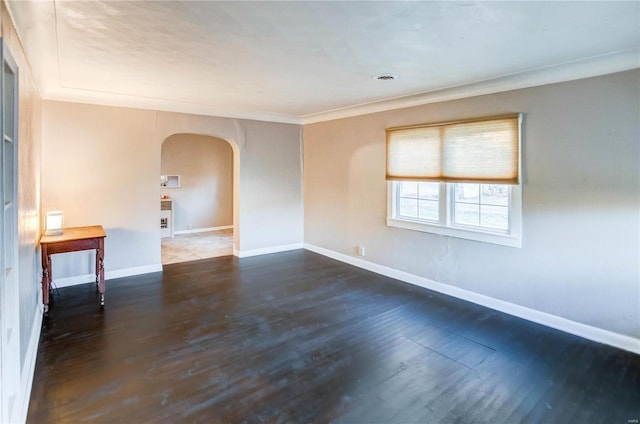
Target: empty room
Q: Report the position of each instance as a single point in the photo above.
(320, 212)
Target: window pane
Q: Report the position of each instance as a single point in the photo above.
(467, 214)
(468, 193)
(494, 194)
(408, 207)
(429, 190)
(428, 209)
(408, 189)
(494, 217)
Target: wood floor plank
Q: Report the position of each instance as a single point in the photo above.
(299, 338)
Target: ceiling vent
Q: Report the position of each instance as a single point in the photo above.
(385, 77)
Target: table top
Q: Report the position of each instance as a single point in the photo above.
(75, 233)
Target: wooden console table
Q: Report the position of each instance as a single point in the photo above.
(72, 240)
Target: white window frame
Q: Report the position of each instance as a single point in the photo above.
(445, 225)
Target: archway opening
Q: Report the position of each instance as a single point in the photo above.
(197, 198)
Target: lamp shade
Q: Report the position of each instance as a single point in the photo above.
(53, 223)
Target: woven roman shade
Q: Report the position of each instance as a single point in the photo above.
(485, 150)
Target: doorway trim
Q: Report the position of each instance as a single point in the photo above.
(10, 346)
(235, 194)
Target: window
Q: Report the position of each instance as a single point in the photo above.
(419, 200)
(482, 206)
(458, 179)
(482, 212)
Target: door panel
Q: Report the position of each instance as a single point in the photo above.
(9, 282)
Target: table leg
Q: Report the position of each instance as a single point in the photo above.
(45, 288)
(100, 270)
(50, 267)
(97, 266)
(46, 278)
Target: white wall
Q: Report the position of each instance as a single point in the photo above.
(580, 251)
(205, 166)
(101, 166)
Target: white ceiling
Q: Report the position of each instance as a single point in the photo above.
(310, 61)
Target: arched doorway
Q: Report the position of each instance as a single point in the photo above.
(196, 177)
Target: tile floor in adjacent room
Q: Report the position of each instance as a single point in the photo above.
(194, 246)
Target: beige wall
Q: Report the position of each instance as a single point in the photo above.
(580, 250)
(29, 159)
(101, 166)
(205, 166)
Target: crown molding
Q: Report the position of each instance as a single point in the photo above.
(586, 68)
(592, 67)
(136, 102)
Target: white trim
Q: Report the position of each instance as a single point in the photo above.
(28, 370)
(109, 275)
(585, 68)
(73, 281)
(129, 272)
(267, 250)
(468, 234)
(595, 334)
(93, 97)
(204, 230)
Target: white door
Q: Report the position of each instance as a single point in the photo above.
(9, 294)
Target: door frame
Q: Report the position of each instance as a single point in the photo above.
(10, 346)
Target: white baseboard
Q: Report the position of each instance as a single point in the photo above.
(129, 272)
(74, 281)
(266, 250)
(203, 230)
(599, 335)
(109, 275)
(28, 370)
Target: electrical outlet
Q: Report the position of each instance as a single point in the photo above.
(360, 250)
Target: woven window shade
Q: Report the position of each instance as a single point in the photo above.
(484, 151)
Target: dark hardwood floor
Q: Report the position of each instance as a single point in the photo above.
(299, 338)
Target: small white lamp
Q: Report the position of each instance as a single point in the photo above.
(53, 223)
